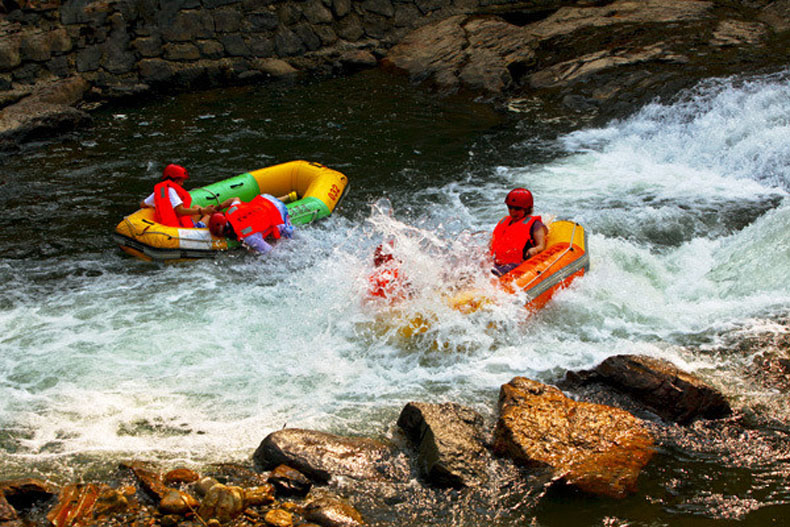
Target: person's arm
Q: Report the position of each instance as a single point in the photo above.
(181, 210)
(257, 243)
(540, 241)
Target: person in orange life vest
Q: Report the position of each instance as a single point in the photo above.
(519, 235)
(386, 281)
(172, 204)
(251, 223)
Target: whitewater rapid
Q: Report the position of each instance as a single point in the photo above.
(686, 206)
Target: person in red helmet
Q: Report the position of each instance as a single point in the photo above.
(519, 235)
(172, 204)
(252, 223)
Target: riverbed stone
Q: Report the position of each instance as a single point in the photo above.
(333, 512)
(22, 494)
(222, 502)
(450, 443)
(598, 449)
(175, 501)
(321, 456)
(275, 68)
(289, 481)
(665, 389)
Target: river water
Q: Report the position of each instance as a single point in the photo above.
(103, 357)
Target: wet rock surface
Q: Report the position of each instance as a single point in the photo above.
(322, 456)
(657, 384)
(450, 443)
(598, 449)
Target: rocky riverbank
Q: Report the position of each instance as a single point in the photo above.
(596, 443)
(59, 60)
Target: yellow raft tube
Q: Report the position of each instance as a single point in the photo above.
(315, 191)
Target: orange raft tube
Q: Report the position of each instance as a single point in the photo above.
(564, 259)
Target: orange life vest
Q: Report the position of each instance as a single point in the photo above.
(164, 212)
(512, 239)
(259, 215)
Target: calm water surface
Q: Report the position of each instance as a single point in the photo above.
(103, 357)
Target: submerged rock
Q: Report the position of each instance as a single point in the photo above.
(598, 449)
(449, 440)
(668, 391)
(320, 455)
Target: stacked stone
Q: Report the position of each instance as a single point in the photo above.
(188, 43)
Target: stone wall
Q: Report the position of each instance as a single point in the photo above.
(124, 46)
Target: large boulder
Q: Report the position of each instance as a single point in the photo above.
(462, 51)
(601, 58)
(598, 449)
(46, 111)
(320, 456)
(450, 443)
(659, 385)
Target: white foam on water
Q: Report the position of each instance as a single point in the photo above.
(203, 360)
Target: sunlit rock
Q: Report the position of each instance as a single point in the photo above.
(662, 387)
(91, 504)
(320, 456)
(150, 480)
(279, 518)
(256, 496)
(598, 449)
(222, 503)
(177, 502)
(449, 442)
(332, 512)
(180, 475)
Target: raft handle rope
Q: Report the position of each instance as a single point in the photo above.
(212, 195)
(559, 257)
(146, 231)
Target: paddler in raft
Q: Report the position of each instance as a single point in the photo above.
(518, 236)
(172, 204)
(386, 281)
(253, 222)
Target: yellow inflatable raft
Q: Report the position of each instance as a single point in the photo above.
(315, 192)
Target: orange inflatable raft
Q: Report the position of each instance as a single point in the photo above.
(564, 259)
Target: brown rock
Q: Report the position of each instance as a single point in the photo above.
(180, 475)
(598, 449)
(261, 495)
(289, 481)
(320, 455)
(75, 505)
(110, 501)
(449, 442)
(222, 503)
(149, 480)
(661, 386)
(177, 502)
(331, 512)
(7, 512)
(279, 518)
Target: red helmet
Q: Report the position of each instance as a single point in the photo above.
(175, 172)
(382, 255)
(216, 224)
(519, 197)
